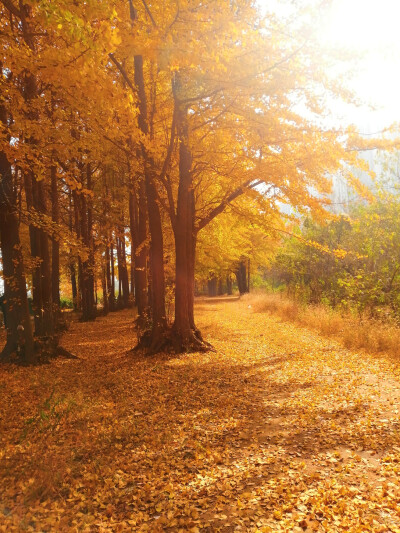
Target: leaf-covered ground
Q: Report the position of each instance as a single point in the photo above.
(279, 430)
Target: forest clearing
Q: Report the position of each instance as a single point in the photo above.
(279, 429)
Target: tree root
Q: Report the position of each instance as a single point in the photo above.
(45, 351)
(62, 352)
(168, 340)
(7, 351)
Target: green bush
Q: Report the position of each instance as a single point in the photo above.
(66, 303)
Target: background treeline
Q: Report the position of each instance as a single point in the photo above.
(351, 263)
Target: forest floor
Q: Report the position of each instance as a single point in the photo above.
(279, 430)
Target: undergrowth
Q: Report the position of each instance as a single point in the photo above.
(355, 332)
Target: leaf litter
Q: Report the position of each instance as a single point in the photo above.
(279, 430)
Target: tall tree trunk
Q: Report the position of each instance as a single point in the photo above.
(112, 295)
(159, 327)
(134, 230)
(185, 336)
(19, 328)
(55, 248)
(47, 328)
(109, 296)
(91, 303)
(124, 272)
(141, 256)
(241, 277)
(104, 288)
(86, 271)
(37, 304)
(158, 315)
(74, 288)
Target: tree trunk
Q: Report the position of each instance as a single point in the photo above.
(55, 248)
(212, 286)
(220, 290)
(133, 225)
(241, 277)
(47, 328)
(229, 285)
(185, 336)
(156, 337)
(124, 270)
(112, 294)
(159, 327)
(86, 270)
(109, 295)
(19, 328)
(37, 304)
(141, 257)
(104, 289)
(74, 286)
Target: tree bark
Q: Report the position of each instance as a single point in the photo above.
(212, 286)
(109, 295)
(157, 336)
(185, 336)
(241, 277)
(19, 328)
(55, 248)
(112, 293)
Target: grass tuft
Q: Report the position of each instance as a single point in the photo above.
(354, 332)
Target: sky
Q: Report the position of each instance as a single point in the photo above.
(372, 27)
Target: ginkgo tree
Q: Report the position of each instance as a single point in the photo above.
(146, 121)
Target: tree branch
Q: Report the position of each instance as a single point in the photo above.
(122, 71)
(12, 8)
(250, 184)
(149, 13)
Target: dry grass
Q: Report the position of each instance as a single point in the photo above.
(355, 333)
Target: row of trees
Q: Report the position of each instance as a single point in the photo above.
(128, 128)
(351, 263)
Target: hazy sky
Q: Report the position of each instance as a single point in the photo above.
(374, 27)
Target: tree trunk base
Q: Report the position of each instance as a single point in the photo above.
(46, 348)
(189, 342)
(168, 340)
(7, 352)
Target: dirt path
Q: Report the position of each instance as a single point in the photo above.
(280, 430)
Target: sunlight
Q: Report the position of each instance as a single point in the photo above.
(365, 26)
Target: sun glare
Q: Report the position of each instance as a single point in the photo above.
(373, 28)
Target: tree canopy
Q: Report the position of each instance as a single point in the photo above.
(127, 128)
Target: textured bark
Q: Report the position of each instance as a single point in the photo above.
(185, 336)
(37, 304)
(109, 294)
(74, 288)
(84, 225)
(112, 292)
(104, 290)
(123, 295)
(134, 230)
(159, 328)
(47, 326)
(55, 248)
(141, 255)
(15, 296)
